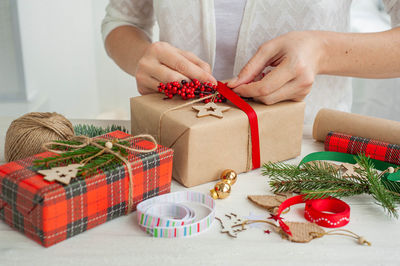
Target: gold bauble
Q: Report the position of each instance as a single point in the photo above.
(221, 190)
(229, 176)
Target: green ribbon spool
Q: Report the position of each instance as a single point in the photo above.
(390, 180)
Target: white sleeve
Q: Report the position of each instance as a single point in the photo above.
(392, 7)
(137, 13)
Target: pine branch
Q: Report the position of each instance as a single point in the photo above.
(376, 188)
(104, 162)
(68, 157)
(317, 177)
(93, 131)
(321, 180)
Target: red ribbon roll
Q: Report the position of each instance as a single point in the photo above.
(251, 114)
(329, 212)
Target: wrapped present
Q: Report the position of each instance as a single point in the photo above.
(205, 146)
(50, 212)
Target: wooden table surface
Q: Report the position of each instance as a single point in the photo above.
(122, 242)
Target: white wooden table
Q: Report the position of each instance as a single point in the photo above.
(121, 242)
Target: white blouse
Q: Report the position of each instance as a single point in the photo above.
(191, 25)
(227, 25)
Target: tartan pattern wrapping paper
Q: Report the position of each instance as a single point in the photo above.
(49, 212)
(375, 149)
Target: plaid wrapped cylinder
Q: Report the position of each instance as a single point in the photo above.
(49, 212)
(375, 149)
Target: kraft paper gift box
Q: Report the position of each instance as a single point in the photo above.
(204, 147)
(49, 212)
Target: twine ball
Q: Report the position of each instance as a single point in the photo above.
(27, 134)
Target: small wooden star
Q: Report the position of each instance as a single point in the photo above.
(62, 174)
(210, 109)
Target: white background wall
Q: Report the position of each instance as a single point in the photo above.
(65, 61)
(374, 97)
(114, 85)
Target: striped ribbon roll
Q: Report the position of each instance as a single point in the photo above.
(168, 216)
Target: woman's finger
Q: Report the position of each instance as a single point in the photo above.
(192, 57)
(274, 80)
(181, 64)
(293, 90)
(146, 84)
(165, 74)
(261, 59)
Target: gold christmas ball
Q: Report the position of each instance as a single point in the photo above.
(221, 190)
(229, 176)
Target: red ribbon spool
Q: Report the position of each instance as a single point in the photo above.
(329, 212)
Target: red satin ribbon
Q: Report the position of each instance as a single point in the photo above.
(251, 114)
(329, 212)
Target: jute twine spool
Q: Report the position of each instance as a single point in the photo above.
(27, 134)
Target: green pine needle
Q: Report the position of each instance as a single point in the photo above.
(320, 180)
(376, 188)
(103, 162)
(94, 131)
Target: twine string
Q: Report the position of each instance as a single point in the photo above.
(212, 97)
(343, 232)
(178, 107)
(339, 232)
(86, 141)
(26, 134)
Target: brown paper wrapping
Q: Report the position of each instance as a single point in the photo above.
(354, 124)
(204, 147)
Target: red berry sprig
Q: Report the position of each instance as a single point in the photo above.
(190, 90)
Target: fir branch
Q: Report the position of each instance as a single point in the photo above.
(376, 188)
(93, 131)
(104, 162)
(74, 156)
(321, 180)
(317, 177)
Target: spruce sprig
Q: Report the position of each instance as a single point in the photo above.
(320, 180)
(93, 131)
(376, 188)
(103, 162)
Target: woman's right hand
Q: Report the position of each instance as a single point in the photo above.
(164, 63)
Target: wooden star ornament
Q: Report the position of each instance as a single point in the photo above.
(62, 174)
(210, 109)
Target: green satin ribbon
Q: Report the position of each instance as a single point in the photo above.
(390, 180)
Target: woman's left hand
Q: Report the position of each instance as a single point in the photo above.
(295, 58)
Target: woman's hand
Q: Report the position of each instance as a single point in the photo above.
(164, 63)
(295, 57)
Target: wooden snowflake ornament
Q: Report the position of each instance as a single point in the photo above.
(232, 224)
(210, 109)
(62, 174)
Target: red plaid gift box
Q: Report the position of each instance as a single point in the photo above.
(375, 149)
(49, 212)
